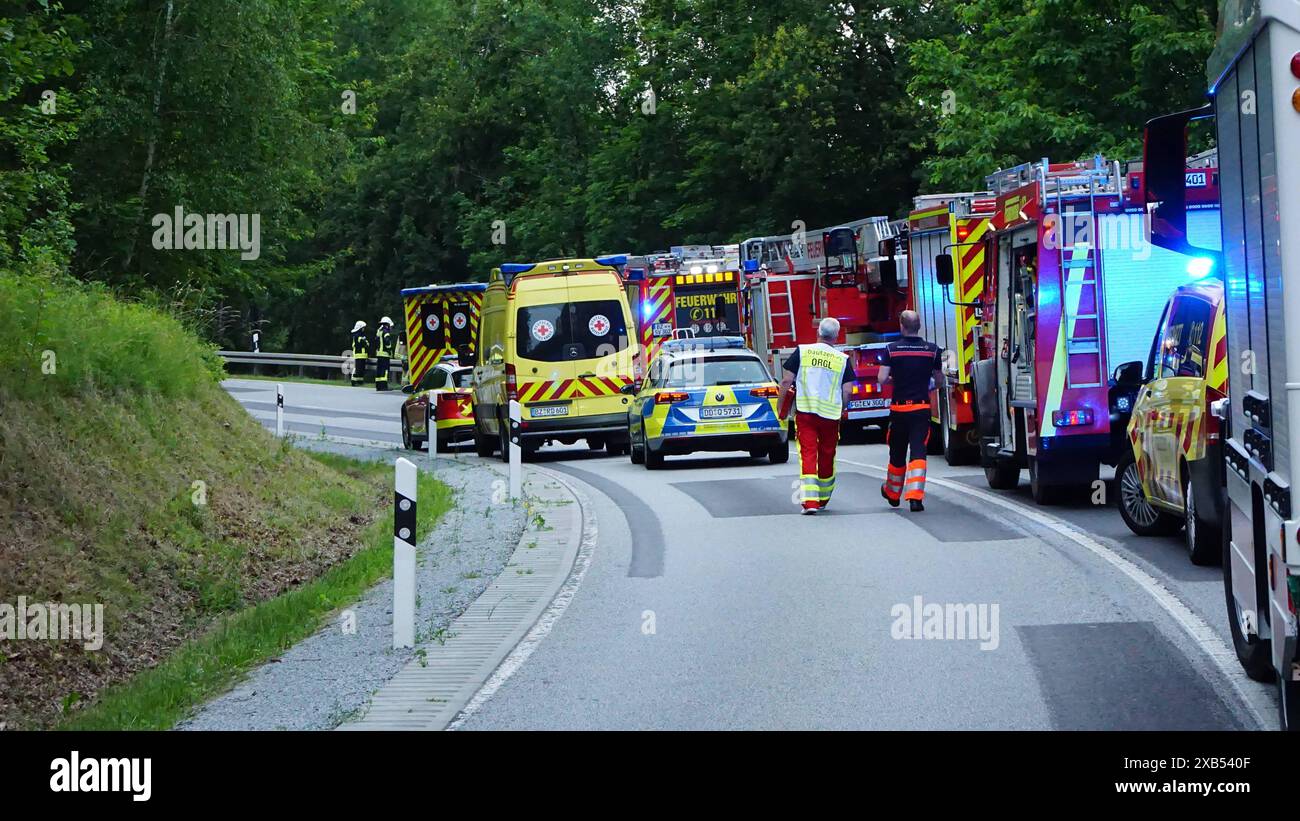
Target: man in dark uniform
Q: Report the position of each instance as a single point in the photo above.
(915, 366)
(383, 352)
(360, 353)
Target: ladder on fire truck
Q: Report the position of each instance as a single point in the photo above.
(1081, 282)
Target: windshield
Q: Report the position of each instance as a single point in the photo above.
(705, 371)
(566, 331)
(461, 379)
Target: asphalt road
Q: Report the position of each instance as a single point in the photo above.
(710, 604)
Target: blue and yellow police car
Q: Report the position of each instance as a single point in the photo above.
(705, 394)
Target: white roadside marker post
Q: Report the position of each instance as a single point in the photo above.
(279, 410)
(404, 555)
(516, 452)
(431, 430)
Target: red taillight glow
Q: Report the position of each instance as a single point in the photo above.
(1213, 424)
(766, 392)
(1295, 64)
(512, 385)
(669, 397)
(1070, 418)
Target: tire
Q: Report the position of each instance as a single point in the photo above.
(503, 439)
(1043, 493)
(779, 453)
(595, 443)
(1134, 509)
(483, 445)
(1255, 655)
(653, 460)
(637, 453)
(1202, 539)
(407, 441)
(1288, 704)
(934, 446)
(1002, 476)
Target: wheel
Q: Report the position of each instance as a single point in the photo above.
(637, 451)
(935, 444)
(503, 437)
(407, 441)
(654, 460)
(595, 442)
(779, 453)
(1043, 493)
(1201, 538)
(1255, 653)
(1137, 512)
(484, 445)
(1002, 476)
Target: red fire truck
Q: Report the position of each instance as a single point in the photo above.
(690, 287)
(794, 280)
(1076, 291)
(956, 225)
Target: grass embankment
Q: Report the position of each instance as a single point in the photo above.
(128, 478)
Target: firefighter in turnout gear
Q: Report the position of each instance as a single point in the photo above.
(915, 365)
(383, 352)
(821, 378)
(360, 353)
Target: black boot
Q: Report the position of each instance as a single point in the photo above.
(915, 505)
(892, 502)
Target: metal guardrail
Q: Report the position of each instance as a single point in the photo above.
(303, 361)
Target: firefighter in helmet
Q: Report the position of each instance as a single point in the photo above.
(384, 341)
(916, 366)
(360, 353)
(822, 379)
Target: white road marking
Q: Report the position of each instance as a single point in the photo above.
(542, 627)
(1201, 633)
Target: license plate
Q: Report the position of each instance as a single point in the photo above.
(721, 412)
(863, 404)
(661, 329)
(550, 410)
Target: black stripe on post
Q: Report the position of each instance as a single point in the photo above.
(404, 519)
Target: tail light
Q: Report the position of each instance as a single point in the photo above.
(1213, 424)
(964, 395)
(669, 397)
(766, 392)
(865, 388)
(1070, 418)
(512, 384)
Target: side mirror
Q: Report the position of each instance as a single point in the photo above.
(943, 269)
(889, 274)
(629, 389)
(408, 389)
(1129, 374)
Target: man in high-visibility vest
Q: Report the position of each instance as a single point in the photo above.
(822, 380)
(383, 352)
(916, 366)
(360, 353)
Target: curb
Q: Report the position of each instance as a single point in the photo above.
(433, 689)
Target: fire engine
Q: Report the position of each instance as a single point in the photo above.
(1076, 290)
(1256, 61)
(956, 225)
(794, 280)
(441, 324)
(695, 288)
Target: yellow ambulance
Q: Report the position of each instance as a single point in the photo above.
(558, 337)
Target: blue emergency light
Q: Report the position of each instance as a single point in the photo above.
(613, 260)
(704, 343)
(513, 268)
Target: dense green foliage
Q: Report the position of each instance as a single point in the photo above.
(385, 144)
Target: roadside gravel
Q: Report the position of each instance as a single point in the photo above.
(329, 678)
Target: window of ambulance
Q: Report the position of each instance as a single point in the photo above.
(567, 331)
(695, 372)
(1185, 339)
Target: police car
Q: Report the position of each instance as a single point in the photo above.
(709, 394)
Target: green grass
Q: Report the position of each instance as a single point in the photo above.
(160, 697)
